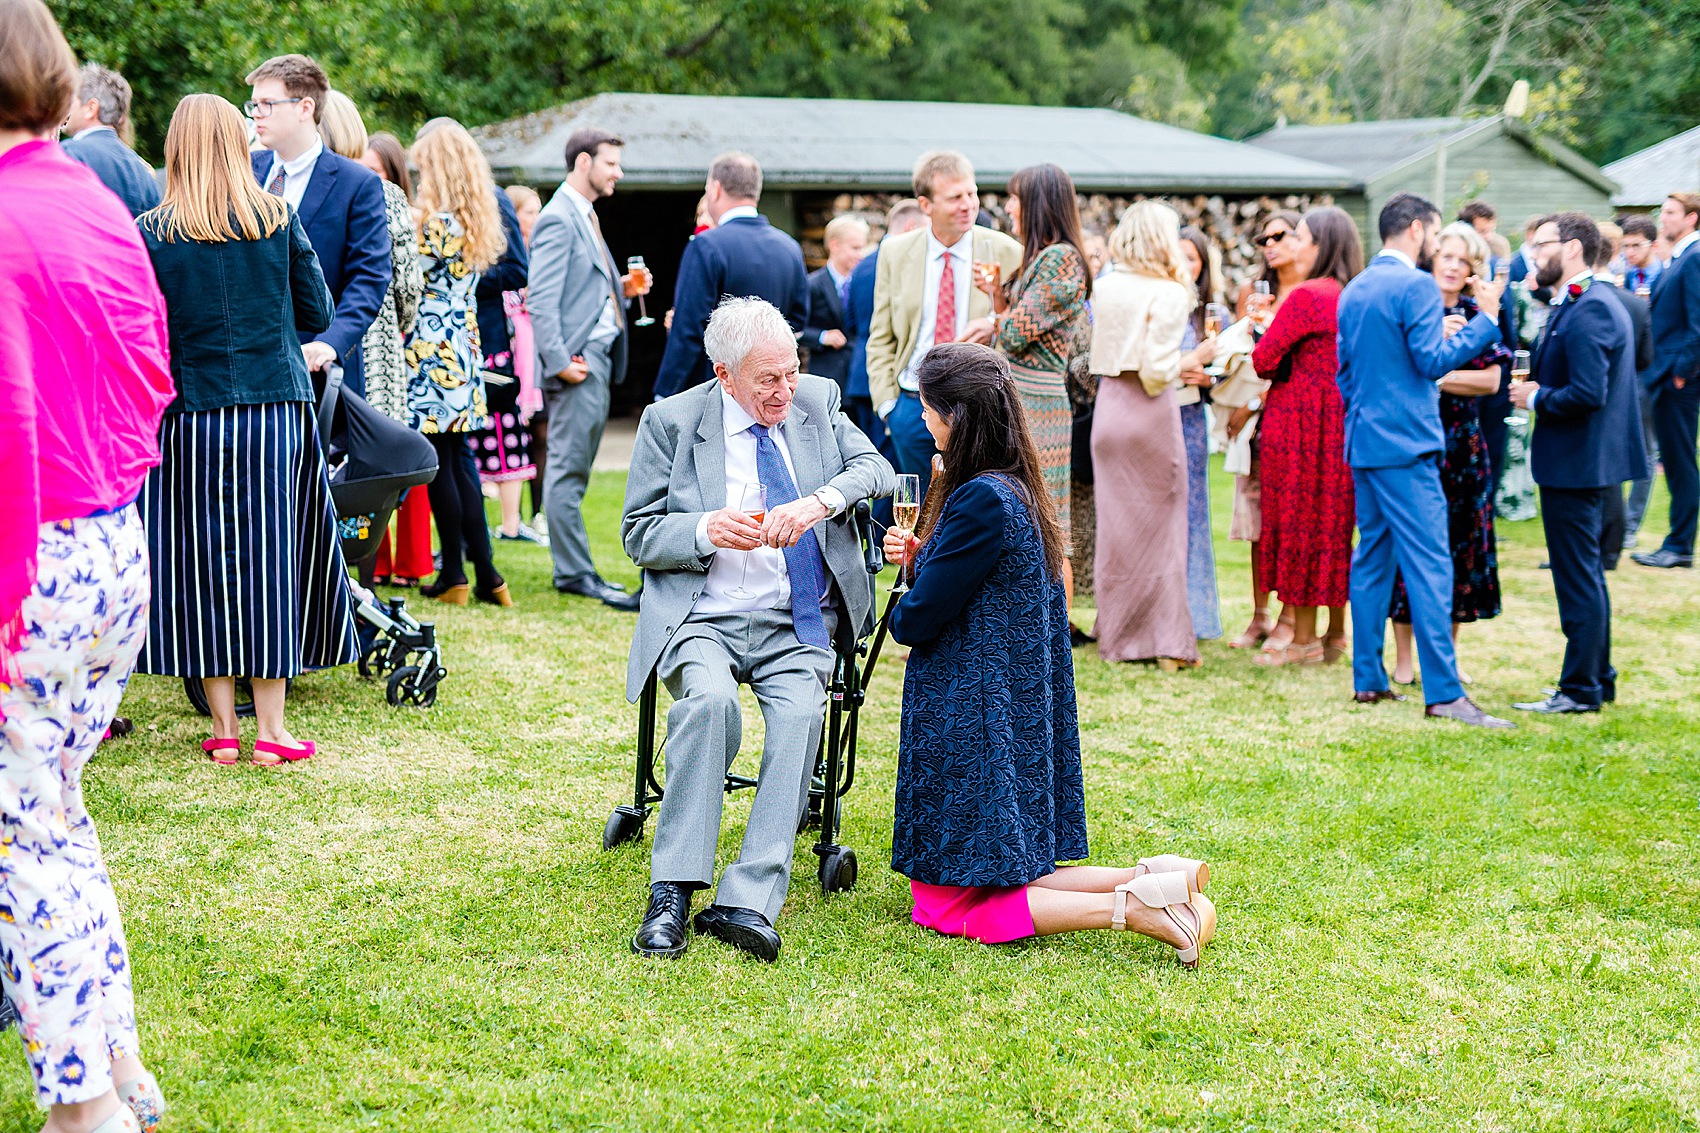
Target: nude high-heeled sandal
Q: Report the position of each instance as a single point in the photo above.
(1190, 912)
(1197, 873)
(145, 1101)
(123, 1120)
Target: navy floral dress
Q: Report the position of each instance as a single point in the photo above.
(988, 782)
(1466, 479)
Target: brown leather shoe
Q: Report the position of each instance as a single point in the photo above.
(1466, 711)
(1377, 696)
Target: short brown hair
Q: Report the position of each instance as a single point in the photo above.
(588, 139)
(1477, 210)
(739, 175)
(1582, 228)
(38, 73)
(935, 164)
(903, 210)
(1690, 202)
(301, 78)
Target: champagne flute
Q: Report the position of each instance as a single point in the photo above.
(1519, 373)
(905, 511)
(752, 501)
(1215, 318)
(636, 264)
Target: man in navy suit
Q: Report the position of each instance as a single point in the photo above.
(102, 106)
(1674, 380)
(1392, 349)
(1615, 524)
(741, 256)
(825, 336)
(340, 202)
(1587, 443)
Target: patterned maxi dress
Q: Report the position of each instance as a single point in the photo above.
(1047, 325)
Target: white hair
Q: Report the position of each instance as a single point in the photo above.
(738, 326)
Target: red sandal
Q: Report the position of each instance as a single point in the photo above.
(284, 752)
(214, 746)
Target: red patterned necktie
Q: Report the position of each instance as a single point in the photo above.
(276, 187)
(944, 322)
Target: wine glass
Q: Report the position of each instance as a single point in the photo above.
(1215, 318)
(635, 264)
(905, 510)
(752, 501)
(1519, 373)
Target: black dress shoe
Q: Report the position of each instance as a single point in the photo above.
(1377, 696)
(1466, 711)
(1664, 558)
(1556, 704)
(744, 929)
(1546, 564)
(663, 931)
(594, 587)
(1078, 637)
(610, 585)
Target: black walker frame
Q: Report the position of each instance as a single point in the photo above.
(835, 763)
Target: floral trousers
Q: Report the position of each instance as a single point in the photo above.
(63, 960)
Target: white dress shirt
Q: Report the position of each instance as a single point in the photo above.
(607, 327)
(297, 172)
(963, 254)
(762, 571)
(737, 212)
(1683, 245)
(1396, 254)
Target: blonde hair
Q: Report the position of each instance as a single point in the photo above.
(454, 178)
(341, 127)
(1148, 242)
(522, 195)
(1476, 248)
(935, 164)
(210, 191)
(841, 226)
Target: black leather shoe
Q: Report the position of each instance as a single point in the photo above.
(1556, 704)
(1664, 558)
(1466, 711)
(600, 581)
(663, 931)
(1078, 637)
(1546, 564)
(744, 929)
(1377, 696)
(594, 587)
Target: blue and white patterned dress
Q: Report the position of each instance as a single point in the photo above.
(445, 390)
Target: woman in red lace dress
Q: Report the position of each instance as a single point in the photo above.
(1305, 553)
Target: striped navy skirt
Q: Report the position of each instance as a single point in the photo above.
(248, 575)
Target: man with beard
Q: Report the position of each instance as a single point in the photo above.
(1586, 445)
(1393, 347)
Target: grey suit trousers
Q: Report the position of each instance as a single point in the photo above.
(577, 416)
(702, 668)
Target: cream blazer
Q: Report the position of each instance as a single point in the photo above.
(1138, 322)
(899, 279)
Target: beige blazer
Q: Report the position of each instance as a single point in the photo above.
(898, 283)
(1138, 322)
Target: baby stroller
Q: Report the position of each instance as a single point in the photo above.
(373, 460)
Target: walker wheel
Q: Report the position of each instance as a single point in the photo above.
(838, 870)
(375, 659)
(624, 825)
(405, 687)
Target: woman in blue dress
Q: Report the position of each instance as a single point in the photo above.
(989, 791)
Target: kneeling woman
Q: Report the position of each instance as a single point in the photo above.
(989, 793)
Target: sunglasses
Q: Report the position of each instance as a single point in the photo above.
(1269, 238)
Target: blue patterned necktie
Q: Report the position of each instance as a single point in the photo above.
(803, 562)
(276, 187)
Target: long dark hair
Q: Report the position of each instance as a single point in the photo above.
(1339, 251)
(969, 386)
(1200, 282)
(1269, 275)
(393, 158)
(1050, 213)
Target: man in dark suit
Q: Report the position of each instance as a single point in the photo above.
(742, 256)
(340, 202)
(1641, 270)
(1674, 380)
(101, 110)
(825, 335)
(1641, 335)
(1586, 444)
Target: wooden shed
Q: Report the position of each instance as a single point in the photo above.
(1451, 161)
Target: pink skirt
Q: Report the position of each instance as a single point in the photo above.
(991, 914)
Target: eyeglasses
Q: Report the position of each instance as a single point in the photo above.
(1634, 246)
(1539, 244)
(263, 107)
(1269, 238)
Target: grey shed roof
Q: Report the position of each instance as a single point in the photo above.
(807, 143)
(1648, 177)
(1374, 150)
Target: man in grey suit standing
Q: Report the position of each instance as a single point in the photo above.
(733, 596)
(578, 300)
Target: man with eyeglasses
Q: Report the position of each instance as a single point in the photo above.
(340, 202)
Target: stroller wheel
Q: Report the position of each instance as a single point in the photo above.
(375, 659)
(838, 870)
(197, 694)
(407, 687)
(624, 825)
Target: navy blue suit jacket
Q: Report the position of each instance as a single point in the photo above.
(858, 319)
(1676, 320)
(118, 168)
(1392, 349)
(1588, 412)
(743, 257)
(343, 213)
(826, 313)
(507, 274)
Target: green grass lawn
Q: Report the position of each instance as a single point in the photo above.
(1423, 927)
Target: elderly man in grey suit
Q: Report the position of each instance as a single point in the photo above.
(736, 509)
(578, 300)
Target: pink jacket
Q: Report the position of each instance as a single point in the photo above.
(84, 373)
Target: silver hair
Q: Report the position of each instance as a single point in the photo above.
(109, 89)
(738, 326)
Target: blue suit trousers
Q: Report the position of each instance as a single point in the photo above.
(1402, 527)
(911, 441)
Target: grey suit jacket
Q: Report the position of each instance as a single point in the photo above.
(570, 281)
(678, 472)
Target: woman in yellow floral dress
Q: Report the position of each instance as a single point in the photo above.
(460, 235)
